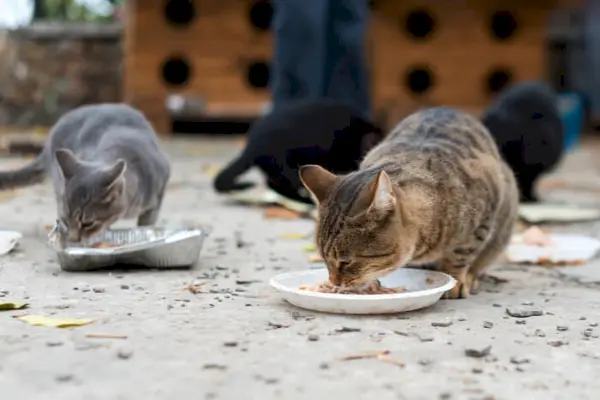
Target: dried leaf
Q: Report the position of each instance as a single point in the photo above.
(390, 360)
(362, 356)
(281, 213)
(315, 258)
(105, 336)
(7, 195)
(294, 236)
(13, 305)
(211, 170)
(310, 247)
(195, 288)
(50, 322)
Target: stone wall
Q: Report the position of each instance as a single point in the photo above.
(48, 69)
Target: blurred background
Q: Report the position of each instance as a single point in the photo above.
(203, 66)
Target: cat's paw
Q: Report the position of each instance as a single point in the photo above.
(460, 291)
(473, 283)
(464, 288)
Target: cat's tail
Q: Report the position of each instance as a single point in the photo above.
(225, 181)
(30, 174)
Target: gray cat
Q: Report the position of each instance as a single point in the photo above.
(105, 163)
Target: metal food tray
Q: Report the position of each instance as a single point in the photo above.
(144, 247)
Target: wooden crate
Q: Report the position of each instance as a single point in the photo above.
(220, 43)
(460, 53)
(217, 46)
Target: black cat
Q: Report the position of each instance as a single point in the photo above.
(323, 132)
(526, 125)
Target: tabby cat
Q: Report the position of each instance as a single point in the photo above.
(435, 190)
(105, 163)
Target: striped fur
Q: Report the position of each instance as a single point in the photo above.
(435, 190)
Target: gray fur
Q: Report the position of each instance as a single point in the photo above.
(105, 163)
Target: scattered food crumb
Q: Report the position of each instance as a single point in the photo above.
(519, 360)
(64, 377)
(379, 355)
(562, 328)
(313, 338)
(105, 336)
(524, 313)
(557, 343)
(215, 366)
(274, 325)
(345, 329)
(124, 354)
(443, 324)
(230, 344)
(195, 288)
(488, 324)
(478, 353)
(246, 282)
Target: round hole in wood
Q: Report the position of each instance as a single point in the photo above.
(419, 24)
(180, 12)
(498, 79)
(176, 71)
(258, 74)
(419, 79)
(503, 25)
(261, 14)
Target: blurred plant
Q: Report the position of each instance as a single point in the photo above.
(74, 10)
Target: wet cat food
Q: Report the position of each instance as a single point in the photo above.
(104, 245)
(369, 288)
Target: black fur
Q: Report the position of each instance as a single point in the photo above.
(526, 125)
(322, 132)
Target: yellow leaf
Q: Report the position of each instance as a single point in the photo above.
(293, 236)
(309, 247)
(211, 170)
(13, 305)
(50, 322)
(280, 213)
(7, 195)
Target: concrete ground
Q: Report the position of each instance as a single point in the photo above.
(238, 340)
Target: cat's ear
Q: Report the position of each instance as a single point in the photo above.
(317, 180)
(115, 173)
(67, 162)
(384, 197)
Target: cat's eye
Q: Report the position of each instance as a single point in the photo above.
(88, 224)
(343, 264)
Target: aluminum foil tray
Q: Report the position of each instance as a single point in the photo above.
(143, 247)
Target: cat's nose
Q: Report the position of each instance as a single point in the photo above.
(335, 279)
(74, 236)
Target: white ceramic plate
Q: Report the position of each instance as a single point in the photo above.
(270, 197)
(423, 289)
(8, 241)
(567, 249)
(536, 213)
